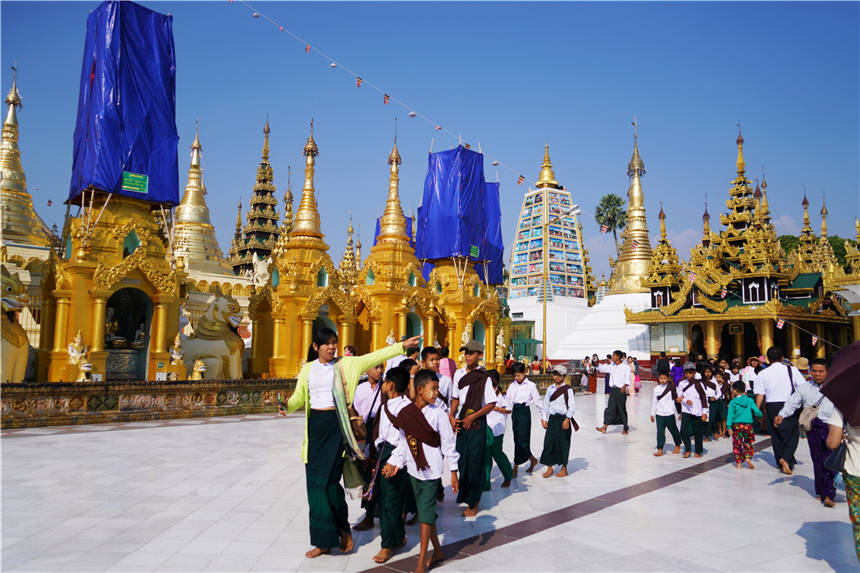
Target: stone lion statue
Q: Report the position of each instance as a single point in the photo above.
(16, 345)
(214, 342)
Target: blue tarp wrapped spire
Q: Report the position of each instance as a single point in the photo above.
(125, 135)
(460, 214)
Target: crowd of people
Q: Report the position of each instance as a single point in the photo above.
(413, 413)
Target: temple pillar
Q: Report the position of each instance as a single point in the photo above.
(62, 324)
(59, 356)
(401, 324)
(490, 346)
(738, 344)
(429, 330)
(307, 332)
(278, 326)
(345, 338)
(855, 324)
(161, 322)
(374, 335)
(765, 334)
(843, 336)
(820, 347)
(792, 341)
(712, 342)
(99, 306)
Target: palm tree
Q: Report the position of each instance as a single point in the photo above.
(611, 214)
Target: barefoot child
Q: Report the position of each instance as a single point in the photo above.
(742, 408)
(497, 420)
(558, 410)
(391, 489)
(664, 408)
(724, 395)
(425, 437)
(522, 393)
(694, 410)
(712, 392)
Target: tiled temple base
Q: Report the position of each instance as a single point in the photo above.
(228, 494)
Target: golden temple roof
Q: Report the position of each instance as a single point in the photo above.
(20, 222)
(195, 240)
(547, 176)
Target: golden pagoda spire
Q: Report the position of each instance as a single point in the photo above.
(805, 204)
(741, 165)
(347, 263)
(547, 176)
(358, 251)
(857, 228)
(706, 225)
(195, 240)
(662, 217)
(288, 203)
(266, 139)
(307, 221)
(20, 222)
(824, 213)
(393, 223)
(632, 263)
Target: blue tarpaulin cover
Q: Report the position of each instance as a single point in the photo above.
(492, 247)
(125, 135)
(408, 230)
(451, 218)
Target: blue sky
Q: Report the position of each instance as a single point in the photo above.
(511, 76)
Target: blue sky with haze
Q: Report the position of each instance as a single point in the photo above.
(511, 76)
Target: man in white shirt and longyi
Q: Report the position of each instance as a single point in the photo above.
(619, 378)
(773, 386)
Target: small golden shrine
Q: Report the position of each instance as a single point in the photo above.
(739, 293)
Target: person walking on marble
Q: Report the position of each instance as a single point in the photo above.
(497, 420)
(522, 394)
(773, 386)
(739, 419)
(694, 410)
(367, 403)
(664, 410)
(619, 379)
(557, 419)
(472, 399)
(805, 396)
(324, 387)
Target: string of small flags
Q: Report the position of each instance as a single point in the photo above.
(782, 322)
(361, 81)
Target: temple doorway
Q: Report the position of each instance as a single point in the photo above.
(414, 327)
(697, 341)
(128, 321)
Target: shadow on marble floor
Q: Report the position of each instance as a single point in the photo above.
(831, 542)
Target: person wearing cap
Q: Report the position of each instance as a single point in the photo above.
(472, 398)
(557, 418)
(619, 378)
(522, 393)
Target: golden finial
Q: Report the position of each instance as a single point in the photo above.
(741, 165)
(266, 139)
(347, 263)
(805, 204)
(662, 217)
(706, 225)
(757, 192)
(857, 227)
(307, 216)
(823, 217)
(358, 248)
(13, 100)
(393, 223)
(196, 148)
(288, 203)
(547, 177)
(636, 165)
(239, 220)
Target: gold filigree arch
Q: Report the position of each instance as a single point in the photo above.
(329, 294)
(361, 294)
(162, 282)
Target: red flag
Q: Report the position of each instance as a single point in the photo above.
(521, 180)
(780, 323)
(385, 98)
(604, 229)
(307, 48)
(438, 128)
(723, 292)
(281, 28)
(358, 81)
(814, 340)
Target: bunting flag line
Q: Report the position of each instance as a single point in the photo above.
(635, 244)
(604, 229)
(359, 81)
(50, 202)
(467, 146)
(692, 277)
(814, 340)
(780, 323)
(723, 292)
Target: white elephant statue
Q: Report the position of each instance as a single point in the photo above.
(16, 345)
(214, 342)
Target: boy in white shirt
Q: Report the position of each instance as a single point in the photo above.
(664, 408)
(523, 393)
(426, 436)
(694, 410)
(497, 420)
(558, 409)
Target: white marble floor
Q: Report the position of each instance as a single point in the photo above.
(222, 496)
